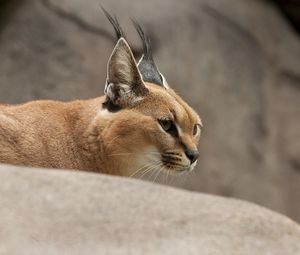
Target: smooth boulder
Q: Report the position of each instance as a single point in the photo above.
(67, 212)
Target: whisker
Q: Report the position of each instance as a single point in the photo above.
(149, 169)
(165, 174)
(108, 144)
(160, 170)
(164, 170)
(155, 176)
(168, 172)
(132, 153)
(141, 168)
(147, 166)
(152, 171)
(155, 170)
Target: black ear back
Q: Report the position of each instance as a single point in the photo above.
(146, 64)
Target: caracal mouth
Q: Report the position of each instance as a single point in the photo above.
(150, 162)
(179, 170)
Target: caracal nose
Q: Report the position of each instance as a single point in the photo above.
(192, 155)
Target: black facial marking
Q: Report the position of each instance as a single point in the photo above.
(172, 158)
(171, 161)
(110, 106)
(172, 153)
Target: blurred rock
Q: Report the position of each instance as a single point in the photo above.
(64, 212)
(291, 8)
(236, 61)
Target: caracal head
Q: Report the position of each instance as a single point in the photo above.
(149, 127)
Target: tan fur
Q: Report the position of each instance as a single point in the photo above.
(82, 135)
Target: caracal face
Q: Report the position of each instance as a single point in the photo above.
(161, 132)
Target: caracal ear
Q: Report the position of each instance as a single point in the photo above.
(124, 85)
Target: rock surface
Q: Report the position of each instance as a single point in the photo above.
(64, 212)
(236, 61)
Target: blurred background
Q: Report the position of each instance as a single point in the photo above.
(237, 62)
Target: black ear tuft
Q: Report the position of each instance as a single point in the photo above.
(147, 65)
(145, 39)
(115, 23)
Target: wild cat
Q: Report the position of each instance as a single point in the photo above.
(140, 124)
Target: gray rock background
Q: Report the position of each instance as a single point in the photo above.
(235, 61)
(62, 212)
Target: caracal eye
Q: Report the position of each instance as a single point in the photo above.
(196, 129)
(168, 126)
